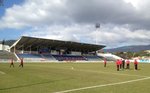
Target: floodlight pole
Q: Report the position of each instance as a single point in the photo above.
(96, 36)
(97, 26)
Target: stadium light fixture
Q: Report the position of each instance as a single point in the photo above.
(97, 26)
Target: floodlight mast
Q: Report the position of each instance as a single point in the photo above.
(97, 26)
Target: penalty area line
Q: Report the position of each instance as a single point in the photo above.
(104, 85)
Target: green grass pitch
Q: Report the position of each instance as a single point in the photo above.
(77, 77)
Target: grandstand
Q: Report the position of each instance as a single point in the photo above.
(47, 50)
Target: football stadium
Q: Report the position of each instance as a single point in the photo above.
(54, 66)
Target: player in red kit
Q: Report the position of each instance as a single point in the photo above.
(12, 62)
(105, 62)
(21, 63)
(118, 64)
(127, 64)
(136, 64)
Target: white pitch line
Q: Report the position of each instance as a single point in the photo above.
(1, 72)
(98, 86)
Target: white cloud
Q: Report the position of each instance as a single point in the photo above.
(135, 3)
(60, 32)
(34, 13)
(73, 20)
(111, 37)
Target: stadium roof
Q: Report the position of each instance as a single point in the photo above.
(32, 43)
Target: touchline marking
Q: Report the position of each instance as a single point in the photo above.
(98, 86)
(1, 72)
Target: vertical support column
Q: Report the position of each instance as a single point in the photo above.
(37, 49)
(95, 53)
(30, 49)
(22, 51)
(59, 52)
(50, 49)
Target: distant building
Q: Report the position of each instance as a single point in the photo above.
(148, 51)
(4, 47)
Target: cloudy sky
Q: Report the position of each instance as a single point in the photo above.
(122, 22)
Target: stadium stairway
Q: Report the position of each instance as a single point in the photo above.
(48, 57)
(31, 57)
(69, 58)
(37, 57)
(6, 56)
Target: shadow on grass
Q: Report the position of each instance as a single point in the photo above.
(28, 85)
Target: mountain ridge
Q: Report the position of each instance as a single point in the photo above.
(132, 48)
